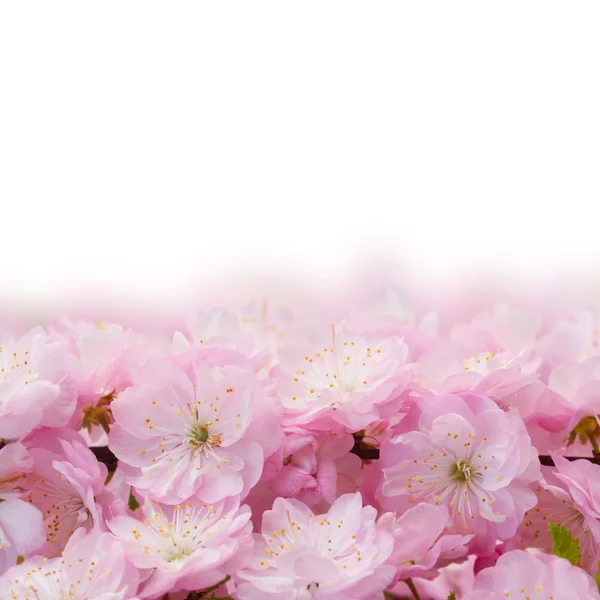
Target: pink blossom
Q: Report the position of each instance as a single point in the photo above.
(313, 469)
(577, 390)
(511, 379)
(549, 424)
(215, 327)
(177, 436)
(189, 546)
(576, 381)
(255, 331)
(464, 452)
(387, 306)
(120, 487)
(15, 461)
(309, 470)
(502, 327)
(508, 378)
(104, 355)
(489, 560)
(391, 312)
(349, 470)
(300, 555)
(104, 352)
(93, 567)
(340, 378)
(581, 479)
(573, 340)
(399, 444)
(520, 574)
(66, 483)
(420, 541)
(21, 531)
(37, 385)
(455, 577)
(569, 496)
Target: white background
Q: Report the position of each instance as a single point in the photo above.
(146, 148)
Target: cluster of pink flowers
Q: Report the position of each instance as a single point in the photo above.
(385, 453)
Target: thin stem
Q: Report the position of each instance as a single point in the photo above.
(391, 596)
(109, 477)
(411, 586)
(212, 588)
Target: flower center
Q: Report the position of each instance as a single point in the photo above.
(586, 429)
(178, 552)
(198, 435)
(460, 471)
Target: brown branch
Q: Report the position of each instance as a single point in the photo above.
(365, 452)
(105, 455)
(548, 462)
(371, 453)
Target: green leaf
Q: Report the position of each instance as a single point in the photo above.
(452, 596)
(132, 503)
(563, 543)
(597, 578)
